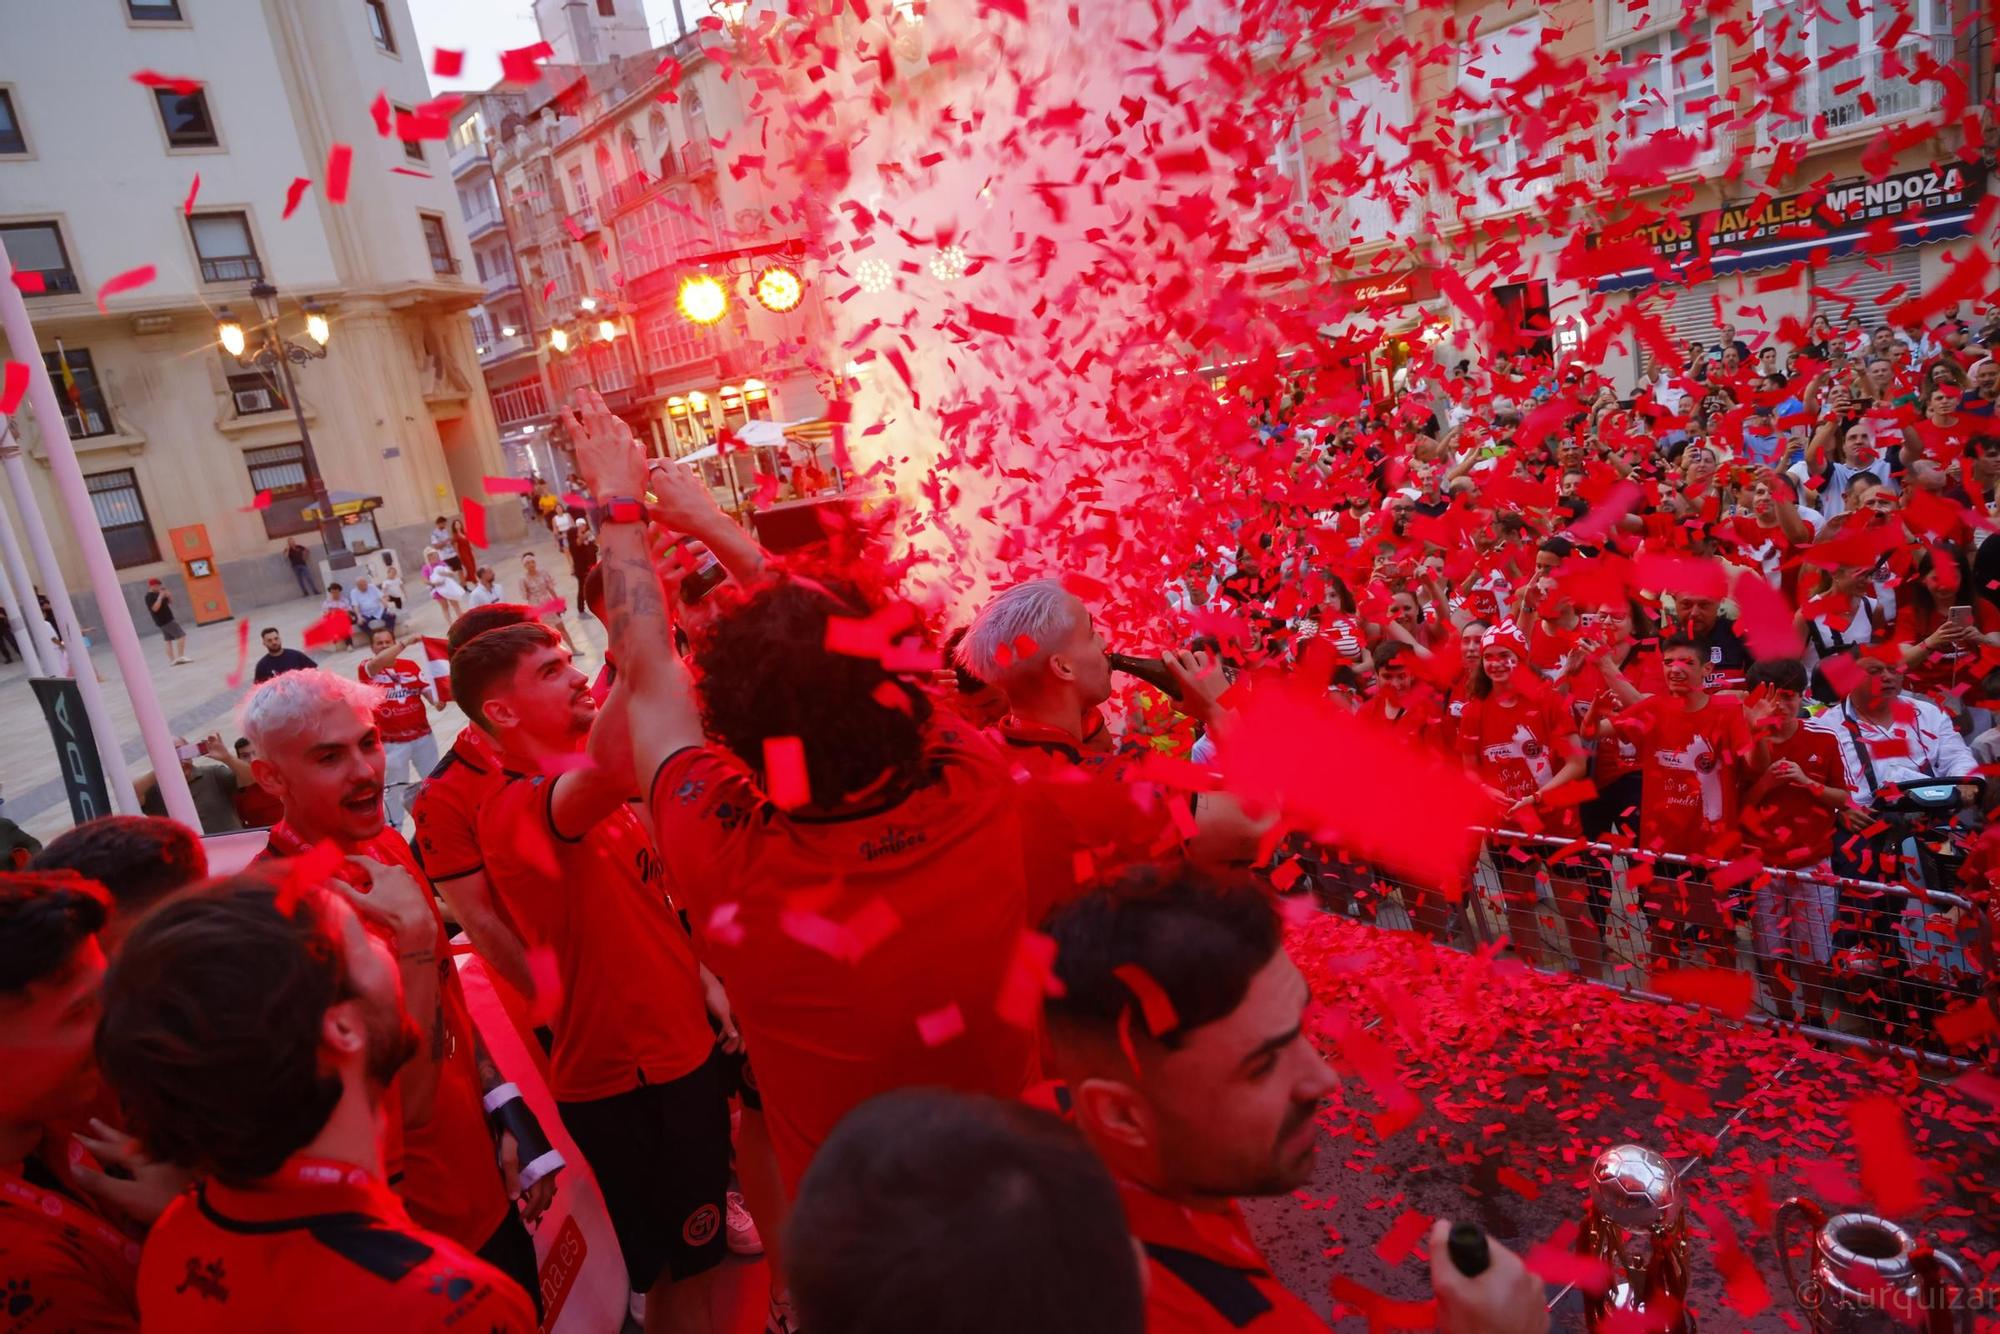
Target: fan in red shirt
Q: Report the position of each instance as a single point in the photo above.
(252, 1027)
(1519, 738)
(861, 893)
(401, 718)
(1402, 703)
(1789, 813)
(319, 751)
(64, 1264)
(1693, 749)
(634, 1067)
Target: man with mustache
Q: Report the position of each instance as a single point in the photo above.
(469, 1145)
(634, 1066)
(252, 1029)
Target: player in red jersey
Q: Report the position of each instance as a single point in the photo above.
(252, 1028)
(883, 903)
(319, 751)
(635, 1067)
(66, 1263)
(1179, 1040)
(402, 718)
(446, 811)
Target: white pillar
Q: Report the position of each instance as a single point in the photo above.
(37, 641)
(117, 617)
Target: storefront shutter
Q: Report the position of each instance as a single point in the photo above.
(1854, 286)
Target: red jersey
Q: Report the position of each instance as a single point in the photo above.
(400, 716)
(63, 1267)
(864, 952)
(1592, 701)
(1080, 817)
(318, 1246)
(444, 1167)
(1417, 716)
(1693, 764)
(1204, 1274)
(1788, 828)
(447, 806)
(632, 1011)
(1518, 747)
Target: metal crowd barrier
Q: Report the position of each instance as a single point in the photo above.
(1877, 963)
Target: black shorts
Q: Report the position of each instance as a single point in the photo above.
(511, 1250)
(661, 1156)
(738, 1079)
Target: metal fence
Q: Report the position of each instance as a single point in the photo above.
(1858, 963)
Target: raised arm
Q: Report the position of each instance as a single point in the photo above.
(661, 706)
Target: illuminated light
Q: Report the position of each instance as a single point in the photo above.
(677, 406)
(949, 264)
(698, 400)
(703, 299)
(754, 389)
(588, 303)
(317, 328)
(230, 331)
(508, 331)
(874, 275)
(607, 330)
(559, 339)
(779, 289)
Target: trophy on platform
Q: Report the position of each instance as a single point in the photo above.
(1867, 1275)
(1635, 1223)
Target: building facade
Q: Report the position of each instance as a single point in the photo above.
(1467, 171)
(101, 174)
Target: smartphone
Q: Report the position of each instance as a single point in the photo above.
(704, 578)
(1960, 615)
(188, 752)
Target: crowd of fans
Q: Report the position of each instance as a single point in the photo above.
(990, 1036)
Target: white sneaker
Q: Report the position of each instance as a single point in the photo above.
(635, 1306)
(780, 1320)
(743, 1238)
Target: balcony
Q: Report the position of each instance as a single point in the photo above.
(585, 219)
(697, 158)
(443, 263)
(232, 269)
(502, 282)
(484, 221)
(631, 190)
(465, 161)
(1865, 90)
(501, 349)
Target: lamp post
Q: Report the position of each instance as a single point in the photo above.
(272, 351)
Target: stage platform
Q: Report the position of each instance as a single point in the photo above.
(1478, 1089)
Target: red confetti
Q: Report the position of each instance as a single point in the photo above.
(940, 1026)
(1154, 1002)
(1030, 977)
(524, 64)
(516, 486)
(152, 79)
(335, 625)
(1402, 1236)
(339, 166)
(1891, 1173)
(785, 780)
(446, 64)
(382, 113)
(194, 188)
(13, 386)
(235, 677)
(124, 282)
(293, 194)
(30, 282)
(1722, 990)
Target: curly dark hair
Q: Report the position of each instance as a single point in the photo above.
(211, 1028)
(763, 671)
(140, 858)
(45, 916)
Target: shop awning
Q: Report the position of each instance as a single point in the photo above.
(345, 503)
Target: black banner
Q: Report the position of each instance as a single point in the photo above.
(76, 747)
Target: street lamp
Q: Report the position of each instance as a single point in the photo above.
(271, 351)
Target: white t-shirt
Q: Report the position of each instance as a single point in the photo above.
(479, 594)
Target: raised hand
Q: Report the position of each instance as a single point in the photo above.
(607, 455)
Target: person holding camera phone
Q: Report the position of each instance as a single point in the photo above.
(212, 786)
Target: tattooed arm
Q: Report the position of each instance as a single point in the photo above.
(391, 896)
(663, 717)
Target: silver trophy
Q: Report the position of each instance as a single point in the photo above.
(1867, 1275)
(1636, 1224)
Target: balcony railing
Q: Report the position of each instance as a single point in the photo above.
(1844, 91)
(585, 219)
(484, 221)
(499, 349)
(468, 158)
(501, 282)
(632, 189)
(444, 263)
(232, 269)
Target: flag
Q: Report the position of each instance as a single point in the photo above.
(68, 380)
(437, 667)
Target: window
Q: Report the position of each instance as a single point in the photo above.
(378, 25)
(608, 8)
(11, 138)
(222, 240)
(37, 247)
(482, 332)
(1669, 80)
(75, 378)
(438, 241)
(1525, 325)
(413, 149)
(186, 118)
(121, 517)
(654, 235)
(1371, 111)
(579, 190)
(1489, 70)
(254, 392)
(154, 11)
(521, 403)
(281, 470)
(666, 339)
(1848, 77)
(468, 133)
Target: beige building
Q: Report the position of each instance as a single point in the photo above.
(98, 177)
(1448, 140)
